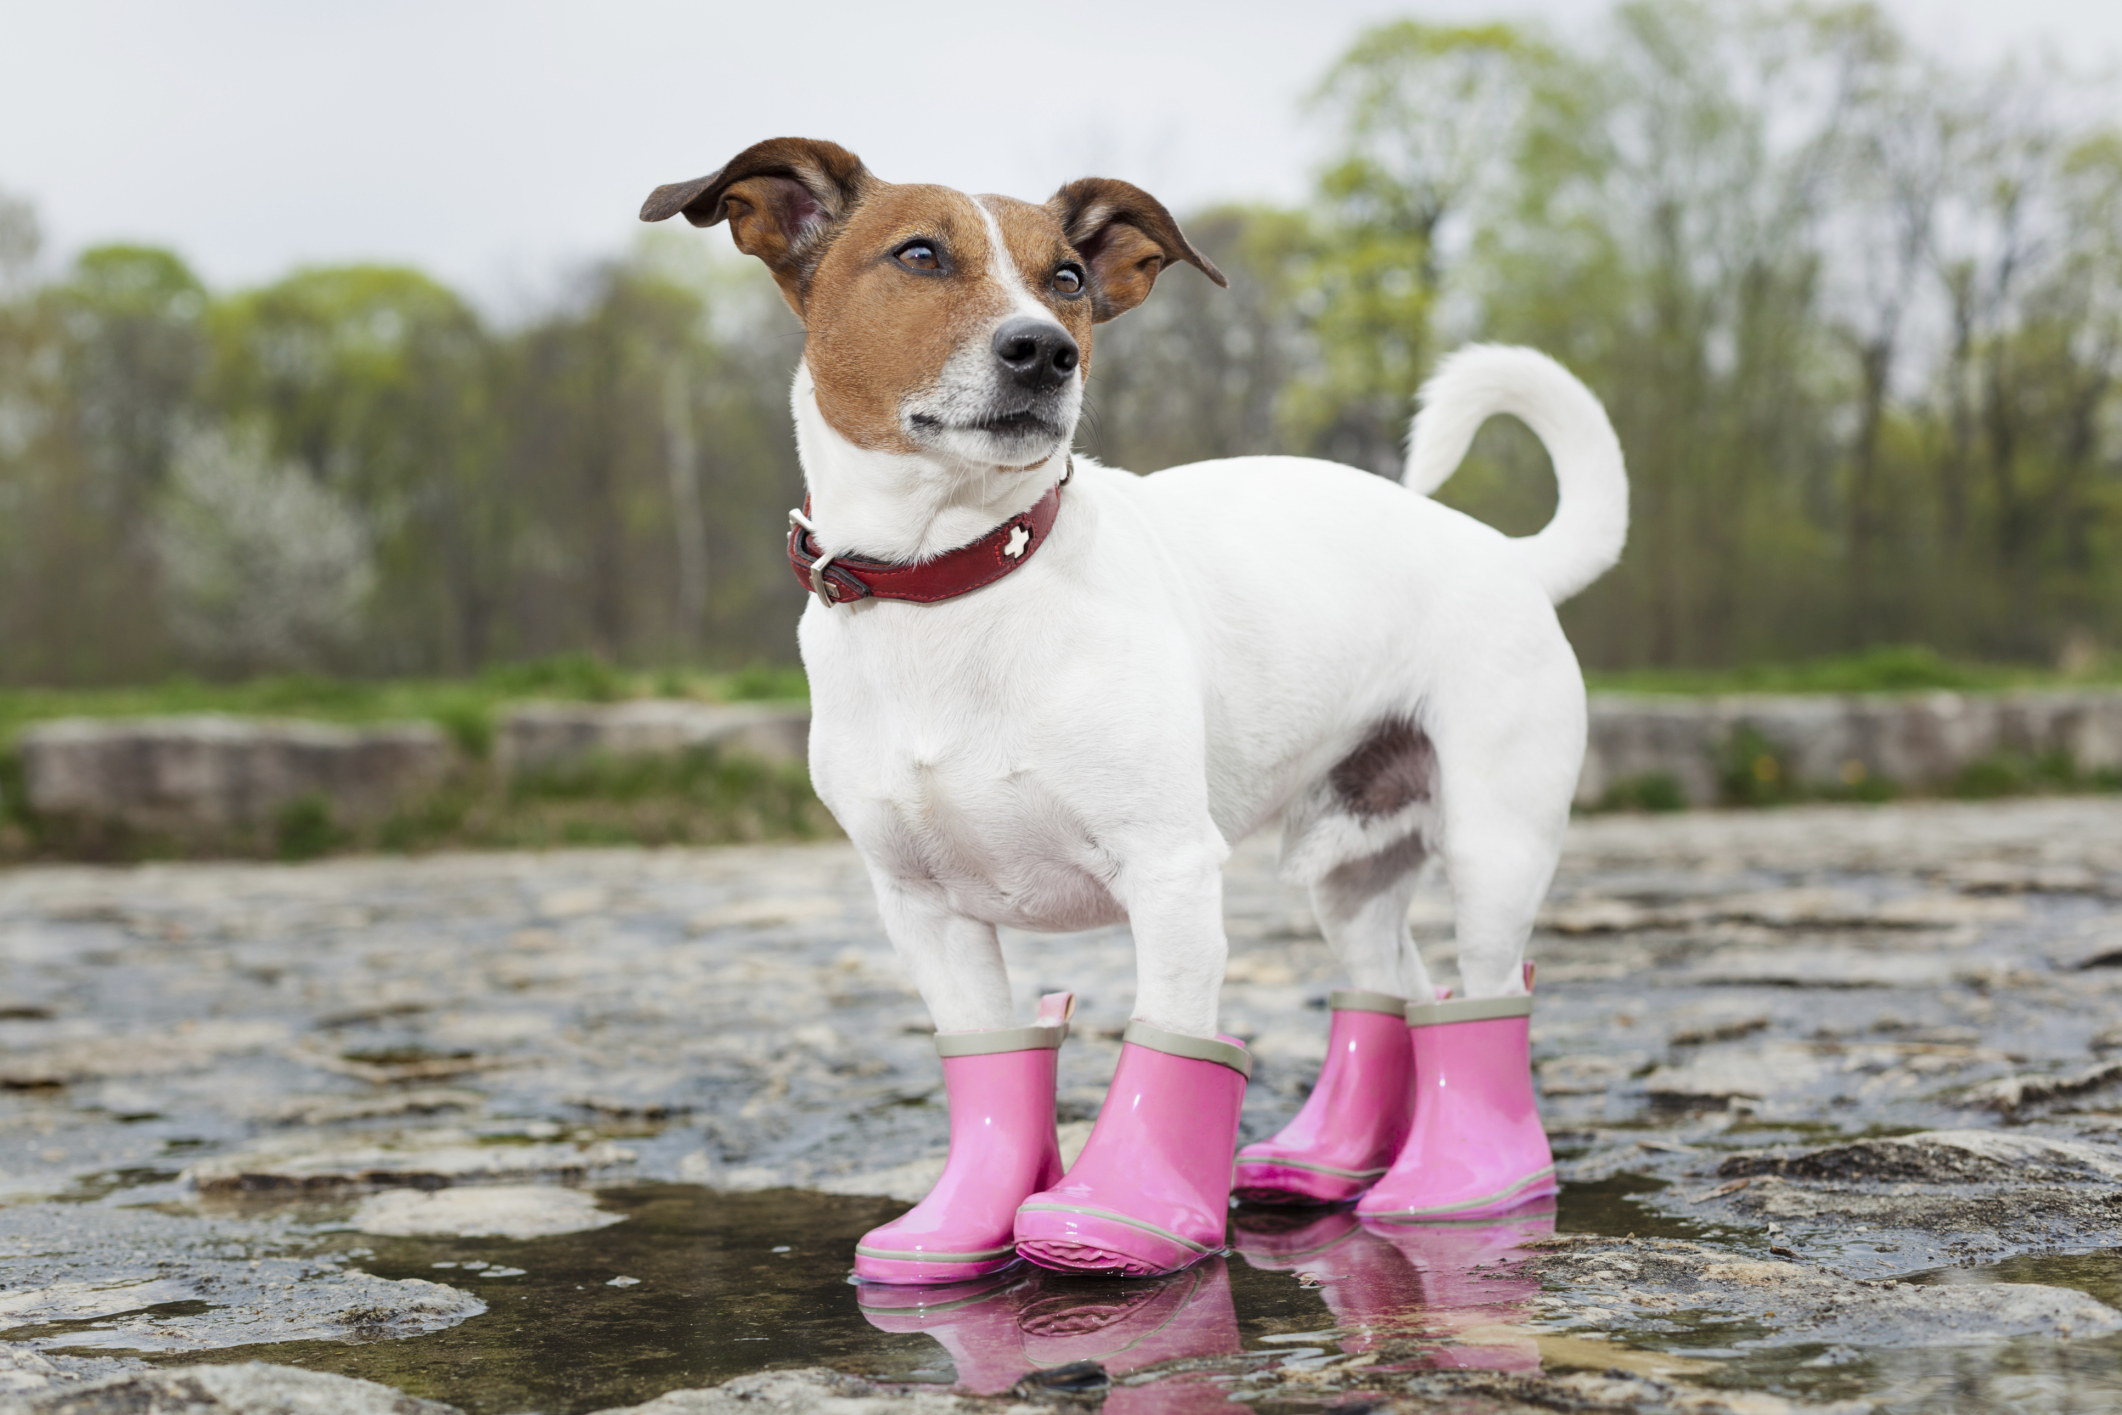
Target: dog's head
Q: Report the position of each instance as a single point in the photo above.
(937, 323)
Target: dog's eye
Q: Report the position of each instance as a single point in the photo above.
(1068, 280)
(919, 255)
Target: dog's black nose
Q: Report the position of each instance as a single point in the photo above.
(1037, 352)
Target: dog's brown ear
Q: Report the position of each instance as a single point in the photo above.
(1126, 236)
(782, 199)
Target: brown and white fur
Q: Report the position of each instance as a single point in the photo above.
(1191, 656)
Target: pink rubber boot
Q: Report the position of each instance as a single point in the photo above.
(1355, 1119)
(1000, 1088)
(1151, 1192)
(1476, 1147)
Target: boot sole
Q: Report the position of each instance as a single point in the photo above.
(909, 1269)
(1099, 1241)
(1275, 1180)
(1540, 1184)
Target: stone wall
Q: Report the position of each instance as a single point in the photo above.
(210, 780)
(210, 775)
(214, 776)
(1914, 742)
(550, 736)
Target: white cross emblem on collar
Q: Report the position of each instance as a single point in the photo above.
(1018, 539)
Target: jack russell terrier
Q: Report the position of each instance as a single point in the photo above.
(1048, 695)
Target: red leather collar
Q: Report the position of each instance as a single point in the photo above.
(842, 579)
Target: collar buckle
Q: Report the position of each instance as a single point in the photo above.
(819, 585)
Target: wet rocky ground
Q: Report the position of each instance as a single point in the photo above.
(1837, 1090)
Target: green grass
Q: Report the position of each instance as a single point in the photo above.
(467, 708)
(1882, 670)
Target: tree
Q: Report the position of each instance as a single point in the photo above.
(263, 567)
(1428, 114)
(1198, 372)
(380, 382)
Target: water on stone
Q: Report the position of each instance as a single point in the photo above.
(1836, 1093)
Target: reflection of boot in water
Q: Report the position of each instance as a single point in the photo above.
(1368, 1286)
(1477, 1300)
(976, 1322)
(1125, 1326)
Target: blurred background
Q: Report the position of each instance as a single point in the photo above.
(329, 345)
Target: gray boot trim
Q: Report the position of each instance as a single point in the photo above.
(1468, 1009)
(1357, 1000)
(1142, 1034)
(999, 1040)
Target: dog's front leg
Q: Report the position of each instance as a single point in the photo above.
(1174, 902)
(1151, 1191)
(955, 962)
(998, 1081)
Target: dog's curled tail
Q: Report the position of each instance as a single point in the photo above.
(1474, 384)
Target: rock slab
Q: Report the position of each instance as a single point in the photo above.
(217, 775)
(1913, 741)
(558, 736)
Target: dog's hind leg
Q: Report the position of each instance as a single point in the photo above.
(1502, 834)
(1354, 1121)
(1476, 1146)
(1362, 909)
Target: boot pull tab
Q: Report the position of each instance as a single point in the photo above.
(1055, 1010)
(1528, 975)
(1444, 994)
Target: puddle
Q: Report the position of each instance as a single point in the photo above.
(725, 1284)
(1612, 1205)
(711, 1299)
(1310, 1308)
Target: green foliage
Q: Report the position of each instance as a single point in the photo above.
(1856, 314)
(579, 676)
(468, 718)
(303, 829)
(767, 682)
(1427, 113)
(2018, 774)
(18, 828)
(696, 798)
(609, 478)
(1655, 791)
(1753, 771)
(1197, 372)
(1889, 669)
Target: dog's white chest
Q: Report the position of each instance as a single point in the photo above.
(975, 816)
(975, 753)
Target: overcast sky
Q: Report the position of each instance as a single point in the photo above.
(497, 144)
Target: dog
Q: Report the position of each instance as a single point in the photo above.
(1049, 694)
